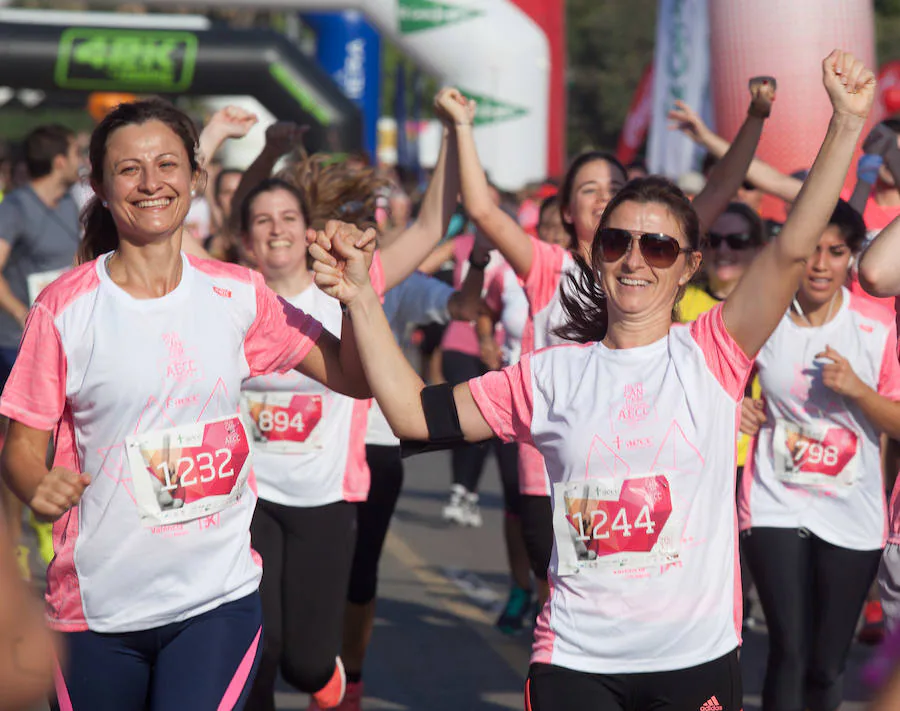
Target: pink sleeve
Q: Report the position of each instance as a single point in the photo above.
(726, 361)
(493, 296)
(505, 400)
(542, 281)
(889, 377)
(35, 393)
(376, 275)
(280, 336)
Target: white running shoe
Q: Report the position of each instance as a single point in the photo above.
(471, 511)
(455, 509)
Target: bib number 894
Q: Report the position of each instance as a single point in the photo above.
(208, 467)
(279, 421)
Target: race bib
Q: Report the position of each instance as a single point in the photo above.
(188, 472)
(283, 422)
(815, 454)
(615, 525)
(38, 282)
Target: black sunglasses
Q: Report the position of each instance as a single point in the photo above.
(737, 240)
(658, 250)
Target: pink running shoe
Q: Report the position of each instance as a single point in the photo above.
(332, 694)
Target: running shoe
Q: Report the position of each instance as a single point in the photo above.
(44, 533)
(455, 508)
(518, 606)
(471, 511)
(22, 554)
(872, 630)
(352, 698)
(331, 695)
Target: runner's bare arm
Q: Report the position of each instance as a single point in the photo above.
(760, 173)
(760, 299)
(405, 253)
(281, 138)
(879, 266)
(503, 231)
(395, 384)
(335, 363)
(26, 645)
(50, 493)
(228, 122)
(728, 174)
(439, 255)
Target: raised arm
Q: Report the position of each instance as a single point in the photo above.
(760, 299)
(760, 173)
(405, 253)
(229, 122)
(281, 138)
(728, 174)
(879, 266)
(341, 272)
(506, 234)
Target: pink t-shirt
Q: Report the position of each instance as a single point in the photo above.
(550, 267)
(97, 366)
(460, 336)
(309, 442)
(640, 450)
(816, 462)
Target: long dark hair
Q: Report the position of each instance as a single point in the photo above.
(583, 300)
(100, 233)
(568, 185)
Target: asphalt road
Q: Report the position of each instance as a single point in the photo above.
(435, 647)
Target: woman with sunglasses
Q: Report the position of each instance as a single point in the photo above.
(635, 426)
(593, 178)
(811, 503)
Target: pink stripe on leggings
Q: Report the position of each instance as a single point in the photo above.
(62, 693)
(238, 682)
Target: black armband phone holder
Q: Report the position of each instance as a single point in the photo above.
(442, 420)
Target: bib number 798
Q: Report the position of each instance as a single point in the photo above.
(208, 466)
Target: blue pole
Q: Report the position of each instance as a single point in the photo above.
(349, 49)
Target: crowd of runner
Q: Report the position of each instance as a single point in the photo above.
(208, 399)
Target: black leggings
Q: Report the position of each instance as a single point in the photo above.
(373, 520)
(468, 460)
(537, 530)
(713, 686)
(811, 593)
(306, 556)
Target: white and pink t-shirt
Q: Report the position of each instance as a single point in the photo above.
(460, 336)
(109, 374)
(640, 450)
(504, 296)
(550, 267)
(816, 462)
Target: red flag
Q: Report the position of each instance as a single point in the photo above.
(637, 122)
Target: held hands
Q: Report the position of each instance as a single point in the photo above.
(753, 416)
(839, 376)
(850, 85)
(342, 254)
(59, 491)
(452, 108)
(762, 96)
(284, 136)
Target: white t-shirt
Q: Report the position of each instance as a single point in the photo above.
(639, 446)
(816, 462)
(505, 296)
(101, 367)
(418, 299)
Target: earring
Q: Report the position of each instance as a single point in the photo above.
(104, 203)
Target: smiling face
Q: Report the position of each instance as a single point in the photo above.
(635, 290)
(147, 181)
(594, 186)
(826, 270)
(276, 236)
